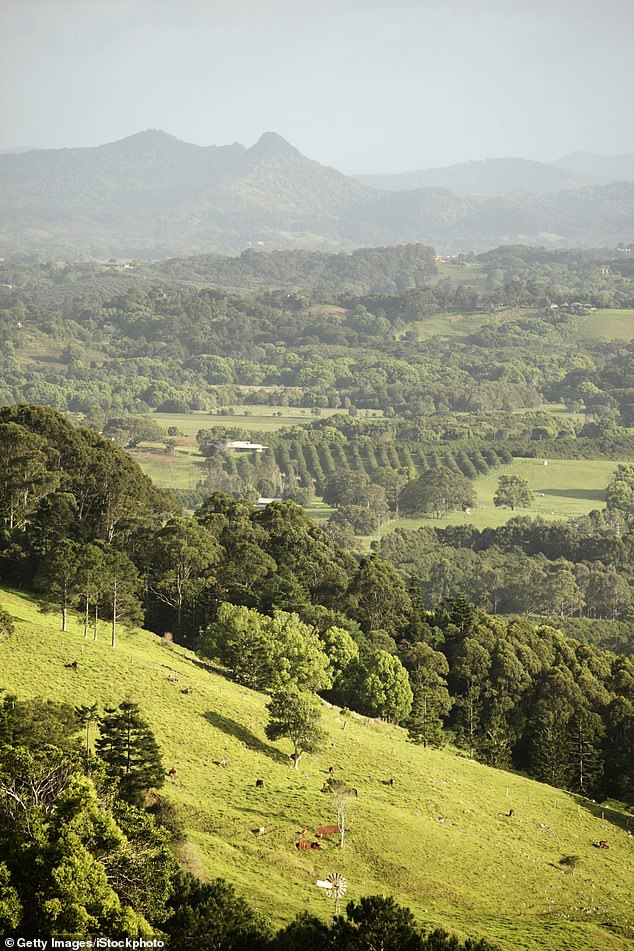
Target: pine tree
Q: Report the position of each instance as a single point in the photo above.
(585, 731)
(549, 749)
(129, 750)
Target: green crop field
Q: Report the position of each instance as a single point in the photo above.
(440, 840)
(565, 488)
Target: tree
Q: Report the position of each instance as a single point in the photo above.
(87, 715)
(377, 922)
(512, 492)
(90, 582)
(341, 650)
(295, 714)
(127, 746)
(267, 653)
(344, 796)
(470, 668)
(346, 488)
(550, 752)
(438, 491)
(379, 596)
(214, 915)
(58, 576)
(384, 688)
(129, 431)
(75, 868)
(620, 492)
(585, 732)
(427, 670)
(183, 551)
(26, 473)
(121, 583)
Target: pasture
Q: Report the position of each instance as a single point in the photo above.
(608, 324)
(440, 840)
(265, 419)
(565, 488)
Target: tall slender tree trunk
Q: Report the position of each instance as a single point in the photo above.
(86, 617)
(94, 633)
(113, 642)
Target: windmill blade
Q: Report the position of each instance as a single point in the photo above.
(338, 883)
(327, 885)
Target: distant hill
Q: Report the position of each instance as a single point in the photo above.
(420, 840)
(602, 215)
(601, 168)
(487, 177)
(151, 196)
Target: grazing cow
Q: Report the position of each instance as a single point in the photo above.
(172, 771)
(307, 844)
(331, 770)
(188, 690)
(259, 784)
(511, 813)
(392, 780)
(173, 678)
(322, 831)
(73, 666)
(602, 844)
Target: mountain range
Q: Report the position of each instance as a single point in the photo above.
(151, 195)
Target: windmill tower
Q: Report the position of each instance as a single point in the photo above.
(335, 886)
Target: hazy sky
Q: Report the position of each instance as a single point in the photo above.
(364, 85)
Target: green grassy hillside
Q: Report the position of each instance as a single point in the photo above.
(439, 840)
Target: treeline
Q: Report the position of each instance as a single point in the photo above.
(87, 848)
(241, 583)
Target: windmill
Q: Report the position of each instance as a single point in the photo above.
(335, 886)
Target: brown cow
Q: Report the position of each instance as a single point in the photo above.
(188, 690)
(307, 844)
(322, 831)
(172, 771)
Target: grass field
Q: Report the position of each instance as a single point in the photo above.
(254, 418)
(184, 470)
(610, 324)
(565, 488)
(439, 840)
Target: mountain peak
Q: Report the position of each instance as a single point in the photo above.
(270, 145)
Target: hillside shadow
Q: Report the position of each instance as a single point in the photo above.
(604, 812)
(243, 735)
(596, 495)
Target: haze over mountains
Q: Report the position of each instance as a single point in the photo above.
(152, 195)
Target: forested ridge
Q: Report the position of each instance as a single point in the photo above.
(151, 195)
